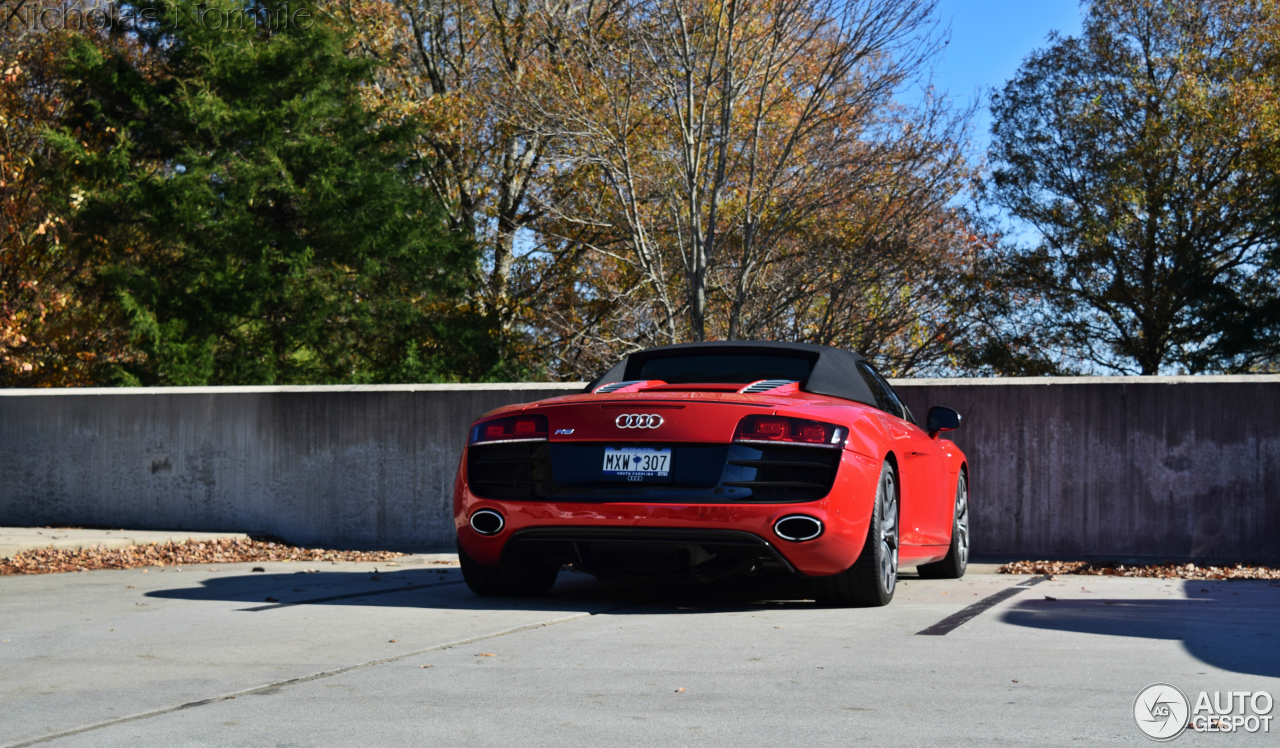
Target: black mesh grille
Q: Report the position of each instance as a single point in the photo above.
(796, 474)
(786, 473)
(509, 471)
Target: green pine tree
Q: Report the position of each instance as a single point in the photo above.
(249, 216)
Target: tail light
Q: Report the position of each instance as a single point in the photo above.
(785, 430)
(510, 429)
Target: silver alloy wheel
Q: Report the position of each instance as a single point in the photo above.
(962, 523)
(888, 532)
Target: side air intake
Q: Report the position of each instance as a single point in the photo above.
(509, 471)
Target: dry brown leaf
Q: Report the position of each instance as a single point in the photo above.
(222, 551)
(1154, 571)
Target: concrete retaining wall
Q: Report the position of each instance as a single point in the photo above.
(1173, 467)
(347, 466)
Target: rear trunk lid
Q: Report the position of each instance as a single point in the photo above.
(686, 435)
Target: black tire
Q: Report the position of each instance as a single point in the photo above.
(957, 560)
(871, 580)
(507, 580)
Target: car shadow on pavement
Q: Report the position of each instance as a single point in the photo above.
(1229, 625)
(439, 588)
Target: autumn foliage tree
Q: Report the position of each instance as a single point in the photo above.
(49, 335)
(1142, 154)
(457, 66)
(412, 190)
(742, 170)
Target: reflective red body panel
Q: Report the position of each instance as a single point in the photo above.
(715, 484)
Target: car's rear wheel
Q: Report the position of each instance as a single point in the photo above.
(873, 577)
(957, 559)
(507, 580)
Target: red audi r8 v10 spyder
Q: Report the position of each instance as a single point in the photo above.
(711, 459)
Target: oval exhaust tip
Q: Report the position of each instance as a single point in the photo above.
(487, 522)
(797, 528)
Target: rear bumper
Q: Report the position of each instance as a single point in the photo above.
(638, 551)
(679, 538)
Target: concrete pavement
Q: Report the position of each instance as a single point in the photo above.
(338, 654)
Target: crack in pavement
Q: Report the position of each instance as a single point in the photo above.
(316, 676)
(941, 628)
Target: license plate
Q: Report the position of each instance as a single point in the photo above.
(637, 464)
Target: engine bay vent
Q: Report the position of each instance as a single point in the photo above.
(768, 385)
(634, 385)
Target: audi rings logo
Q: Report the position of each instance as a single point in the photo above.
(638, 421)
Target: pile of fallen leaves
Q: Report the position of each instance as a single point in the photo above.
(1159, 571)
(221, 551)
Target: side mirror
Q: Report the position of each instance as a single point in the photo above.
(942, 419)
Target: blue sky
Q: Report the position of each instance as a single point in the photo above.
(989, 39)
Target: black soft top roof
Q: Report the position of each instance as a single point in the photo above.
(835, 370)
